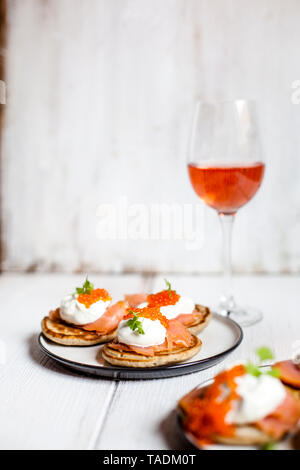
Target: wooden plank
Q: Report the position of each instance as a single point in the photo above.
(110, 90)
(42, 404)
(45, 406)
(141, 413)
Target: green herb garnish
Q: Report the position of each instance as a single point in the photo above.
(274, 373)
(269, 446)
(86, 288)
(135, 324)
(264, 354)
(253, 369)
(169, 287)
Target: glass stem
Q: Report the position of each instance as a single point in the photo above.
(227, 302)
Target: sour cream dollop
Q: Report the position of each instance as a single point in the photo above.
(260, 396)
(155, 333)
(72, 311)
(184, 305)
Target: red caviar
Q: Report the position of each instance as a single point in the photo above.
(95, 295)
(152, 313)
(163, 298)
(206, 415)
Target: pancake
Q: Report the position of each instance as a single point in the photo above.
(200, 324)
(160, 358)
(60, 332)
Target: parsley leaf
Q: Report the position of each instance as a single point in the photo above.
(274, 373)
(169, 287)
(269, 446)
(264, 354)
(86, 288)
(253, 369)
(135, 324)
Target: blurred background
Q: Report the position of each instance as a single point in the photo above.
(99, 102)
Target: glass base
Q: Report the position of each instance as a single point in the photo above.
(244, 316)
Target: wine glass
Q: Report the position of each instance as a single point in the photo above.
(226, 170)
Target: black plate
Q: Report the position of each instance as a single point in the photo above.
(220, 338)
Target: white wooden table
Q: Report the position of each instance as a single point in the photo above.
(43, 405)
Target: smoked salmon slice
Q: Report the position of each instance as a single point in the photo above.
(147, 351)
(177, 336)
(54, 315)
(289, 373)
(134, 300)
(109, 320)
(189, 318)
(283, 419)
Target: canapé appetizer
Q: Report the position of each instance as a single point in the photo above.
(242, 406)
(146, 338)
(173, 306)
(84, 318)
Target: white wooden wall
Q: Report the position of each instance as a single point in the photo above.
(99, 101)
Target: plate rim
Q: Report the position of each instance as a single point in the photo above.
(148, 371)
